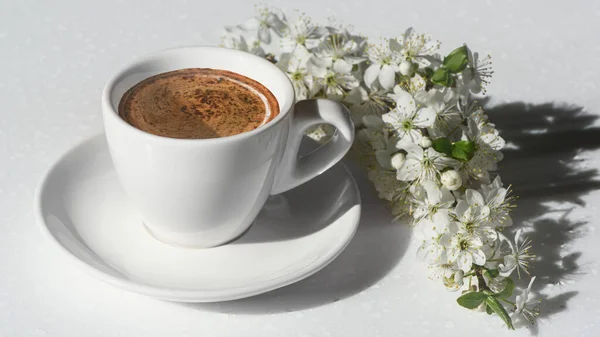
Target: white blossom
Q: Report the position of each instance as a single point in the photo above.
(431, 201)
(477, 74)
(387, 186)
(495, 197)
(375, 135)
(407, 119)
(341, 49)
(332, 79)
(444, 104)
(379, 140)
(421, 165)
(384, 64)
(415, 47)
(519, 257)
(451, 276)
(302, 33)
(364, 101)
(473, 218)
(466, 250)
(526, 305)
(437, 238)
(295, 66)
(487, 145)
(263, 26)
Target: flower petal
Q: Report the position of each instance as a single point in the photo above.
(445, 240)
(383, 158)
(405, 102)
(447, 197)
(504, 220)
(497, 183)
(373, 122)
(483, 213)
(342, 67)
(488, 234)
(509, 265)
(434, 194)
(395, 46)
(475, 241)
(441, 218)
(317, 67)
(474, 198)
(312, 43)
(461, 208)
(478, 257)
(425, 118)
(409, 171)
(276, 23)
(465, 262)
(357, 96)
(413, 149)
(414, 135)
(392, 117)
(371, 74)
(264, 35)
(498, 198)
(347, 81)
(453, 227)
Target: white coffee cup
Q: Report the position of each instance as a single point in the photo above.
(206, 192)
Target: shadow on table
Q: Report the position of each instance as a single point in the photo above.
(545, 163)
(376, 248)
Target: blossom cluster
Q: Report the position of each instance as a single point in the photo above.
(429, 147)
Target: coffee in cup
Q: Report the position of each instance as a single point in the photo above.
(198, 103)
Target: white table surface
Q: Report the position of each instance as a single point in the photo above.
(56, 55)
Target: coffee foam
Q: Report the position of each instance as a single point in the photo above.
(198, 103)
(253, 90)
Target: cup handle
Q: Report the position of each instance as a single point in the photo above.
(294, 170)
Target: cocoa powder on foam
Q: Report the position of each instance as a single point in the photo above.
(198, 103)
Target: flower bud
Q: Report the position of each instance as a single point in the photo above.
(451, 180)
(398, 160)
(406, 68)
(425, 142)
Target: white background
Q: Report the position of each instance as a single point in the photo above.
(56, 55)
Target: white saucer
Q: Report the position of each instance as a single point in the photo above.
(83, 210)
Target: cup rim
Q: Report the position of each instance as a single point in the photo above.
(116, 78)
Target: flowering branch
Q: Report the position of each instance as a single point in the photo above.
(428, 146)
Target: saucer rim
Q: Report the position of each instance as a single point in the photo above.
(186, 295)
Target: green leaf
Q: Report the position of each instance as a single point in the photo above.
(491, 273)
(497, 307)
(442, 77)
(457, 60)
(428, 72)
(463, 150)
(508, 290)
(471, 300)
(442, 145)
(488, 309)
